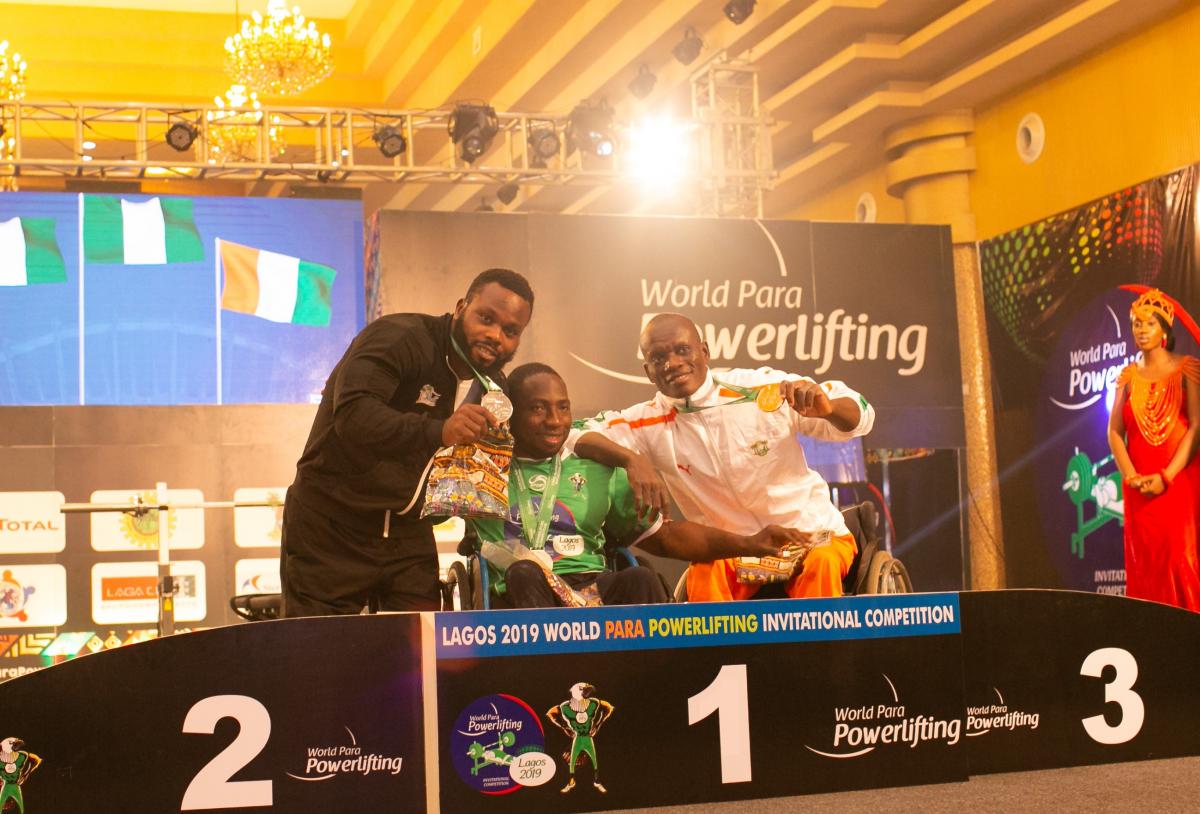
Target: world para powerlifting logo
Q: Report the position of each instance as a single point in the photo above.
(887, 722)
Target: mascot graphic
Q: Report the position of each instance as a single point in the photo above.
(580, 718)
(15, 766)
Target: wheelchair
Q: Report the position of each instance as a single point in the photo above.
(467, 587)
(873, 571)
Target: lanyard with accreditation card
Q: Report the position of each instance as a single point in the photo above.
(537, 527)
(494, 400)
(767, 398)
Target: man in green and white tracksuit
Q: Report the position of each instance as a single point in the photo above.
(565, 509)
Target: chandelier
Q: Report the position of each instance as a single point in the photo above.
(12, 89)
(236, 127)
(279, 54)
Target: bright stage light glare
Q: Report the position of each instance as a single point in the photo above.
(659, 153)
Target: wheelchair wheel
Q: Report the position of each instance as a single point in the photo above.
(886, 575)
(459, 589)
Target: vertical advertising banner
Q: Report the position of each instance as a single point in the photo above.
(1059, 333)
(584, 710)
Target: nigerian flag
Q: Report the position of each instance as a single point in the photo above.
(139, 233)
(29, 252)
(275, 286)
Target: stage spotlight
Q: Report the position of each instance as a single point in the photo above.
(472, 128)
(507, 193)
(180, 136)
(739, 10)
(688, 48)
(390, 140)
(543, 145)
(643, 84)
(484, 206)
(589, 129)
(658, 154)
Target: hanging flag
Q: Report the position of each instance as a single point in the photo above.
(139, 233)
(276, 287)
(29, 252)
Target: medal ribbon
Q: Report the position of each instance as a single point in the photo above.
(746, 394)
(536, 527)
(487, 383)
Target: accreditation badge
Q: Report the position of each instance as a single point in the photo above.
(567, 545)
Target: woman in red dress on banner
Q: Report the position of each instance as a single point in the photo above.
(1153, 434)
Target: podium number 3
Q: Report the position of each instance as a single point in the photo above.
(211, 787)
(1119, 691)
(726, 696)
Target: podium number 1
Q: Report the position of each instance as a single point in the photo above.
(726, 696)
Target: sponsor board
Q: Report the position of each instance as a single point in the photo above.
(127, 592)
(259, 575)
(258, 526)
(33, 595)
(138, 530)
(32, 523)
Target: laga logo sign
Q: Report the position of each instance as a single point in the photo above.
(858, 730)
(32, 523)
(33, 596)
(127, 592)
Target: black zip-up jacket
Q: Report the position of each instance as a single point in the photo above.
(379, 423)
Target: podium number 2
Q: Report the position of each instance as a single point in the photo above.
(1119, 691)
(211, 787)
(726, 696)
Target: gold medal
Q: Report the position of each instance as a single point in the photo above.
(769, 399)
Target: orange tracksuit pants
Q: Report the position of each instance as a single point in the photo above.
(824, 569)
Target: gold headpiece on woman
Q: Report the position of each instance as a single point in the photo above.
(1151, 302)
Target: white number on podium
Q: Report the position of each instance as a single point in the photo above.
(1119, 691)
(726, 696)
(211, 787)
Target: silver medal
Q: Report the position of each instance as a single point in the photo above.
(497, 404)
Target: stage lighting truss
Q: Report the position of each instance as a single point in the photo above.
(340, 146)
(590, 130)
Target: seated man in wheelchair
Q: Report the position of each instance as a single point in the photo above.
(563, 510)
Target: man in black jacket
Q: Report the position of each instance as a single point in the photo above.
(407, 385)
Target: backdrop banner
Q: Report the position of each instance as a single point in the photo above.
(830, 301)
(1058, 329)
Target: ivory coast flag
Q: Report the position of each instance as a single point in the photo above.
(276, 287)
(139, 233)
(29, 252)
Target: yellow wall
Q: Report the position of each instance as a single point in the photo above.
(1123, 115)
(838, 203)
(1127, 114)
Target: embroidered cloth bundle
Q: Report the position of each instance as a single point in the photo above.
(471, 480)
(759, 570)
(504, 554)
